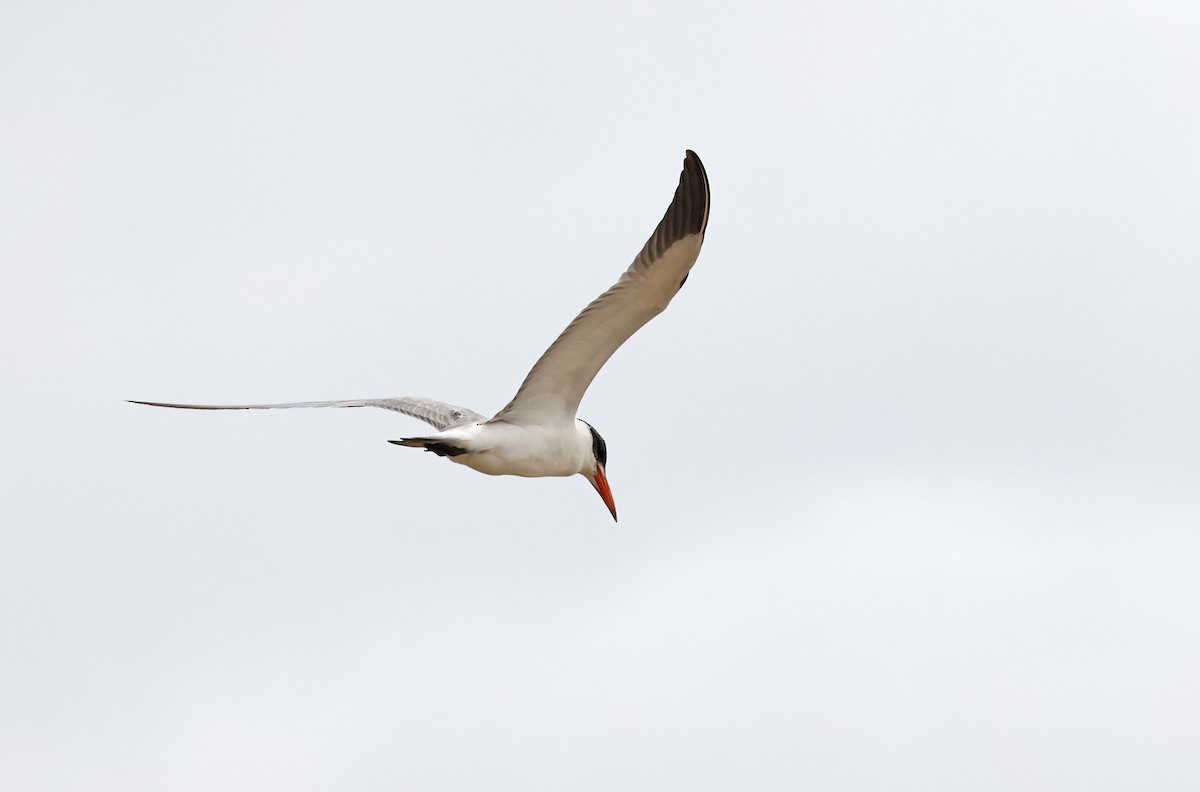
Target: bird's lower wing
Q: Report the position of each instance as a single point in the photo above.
(556, 383)
(438, 414)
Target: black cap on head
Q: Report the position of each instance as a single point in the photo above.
(599, 448)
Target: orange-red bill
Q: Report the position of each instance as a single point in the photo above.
(601, 485)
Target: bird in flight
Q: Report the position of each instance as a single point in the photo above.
(537, 433)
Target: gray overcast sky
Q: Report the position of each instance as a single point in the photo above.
(907, 474)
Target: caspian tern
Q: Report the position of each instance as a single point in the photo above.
(537, 433)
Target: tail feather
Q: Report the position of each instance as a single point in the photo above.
(435, 444)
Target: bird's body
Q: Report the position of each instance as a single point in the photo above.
(537, 433)
(500, 448)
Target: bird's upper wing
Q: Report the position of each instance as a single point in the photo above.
(555, 385)
(437, 414)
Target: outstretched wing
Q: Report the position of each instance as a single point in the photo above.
(554, 387)
(438, 414)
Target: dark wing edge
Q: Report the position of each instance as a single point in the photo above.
(687, 214)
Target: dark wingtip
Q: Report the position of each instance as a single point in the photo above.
(693, 183)
(396, 442)
(688, 212)
(181, 406)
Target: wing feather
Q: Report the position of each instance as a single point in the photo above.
(438, 414)
(555, 385)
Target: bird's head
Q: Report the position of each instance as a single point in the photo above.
(593, 470)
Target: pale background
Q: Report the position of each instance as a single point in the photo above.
(908, 473)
